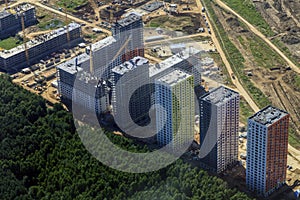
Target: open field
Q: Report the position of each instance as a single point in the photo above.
(237, 60)
(71, 5)
(279, 20)
(266, 86)
(254, 57)
(173, 23)
(48, 20)
(51, 24)
(247, 9)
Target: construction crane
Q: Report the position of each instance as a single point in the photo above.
(121, 49)
(68, 32)
(25, 39)
(111, 15)
(91, 61)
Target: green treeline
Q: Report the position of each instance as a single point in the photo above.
(42, 157)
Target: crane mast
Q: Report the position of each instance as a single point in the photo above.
(25, 39)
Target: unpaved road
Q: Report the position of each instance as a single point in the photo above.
(294, 155)
(259, 34)
(36, 3)
(235, 81)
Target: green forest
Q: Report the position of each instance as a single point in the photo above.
(42, 157)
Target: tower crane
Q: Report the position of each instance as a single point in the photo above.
(67, 26)
(121, 49)
(91, 61)
(25, 39)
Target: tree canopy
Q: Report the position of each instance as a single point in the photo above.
(42, 157)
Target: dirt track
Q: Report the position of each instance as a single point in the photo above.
(259, 34)
(280, 93)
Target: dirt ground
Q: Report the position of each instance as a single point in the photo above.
(276, 84)
(284, 18)
(272, 82)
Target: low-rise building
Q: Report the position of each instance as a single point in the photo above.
(11, 19)
(15, 59)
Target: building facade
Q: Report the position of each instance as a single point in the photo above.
(129, 32)
(267, 148)
(15, 59)
(187, 60)
(80, 87)
(219, 122)
(174, 92)
(129, 100)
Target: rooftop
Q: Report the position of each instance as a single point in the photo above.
(40, 39)
(103, 43)
(152, 6)
(219, 96)
(268, 115)
(70, 65)
(130, 65)
(4, 14)
(174, 77)
(14, 10)
(23, 7)
(132, 17)
(173, 60)
(73, 67)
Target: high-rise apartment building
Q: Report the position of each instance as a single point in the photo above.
(187, 60)
(104, 57)
(219, 122)
(129, 32)
(80, 87)
(267, 148)
(175, 121)
(131, 95)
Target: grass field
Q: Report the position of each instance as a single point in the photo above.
(50, 25)
(294, 138)
(236, 60)
(70, 5)
(245, 111)
(173, 23)
(296, 82)
(248, 11)
(10, 43)
(264, 56)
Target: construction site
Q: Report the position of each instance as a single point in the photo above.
(170, 25)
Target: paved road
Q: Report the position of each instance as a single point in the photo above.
(259, 34)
